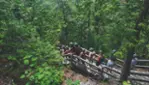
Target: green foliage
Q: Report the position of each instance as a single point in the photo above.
(119, 54)
(126, 83)
(28, 37)
(44, 75)
(103, 25)
(30, 29)
(70, 82)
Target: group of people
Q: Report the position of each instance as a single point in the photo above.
(98, 57)
(90, 55)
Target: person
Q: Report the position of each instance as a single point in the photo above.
(100, 59)
(62, 49)
(111, 61)
(65, 52)
(70, 50)
(87, 53)
(77, 49)
(71, 44)
(134, 61)
(82, 54)
(113, 58)
(91, 54)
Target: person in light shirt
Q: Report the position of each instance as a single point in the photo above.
(134, 61)
(111, 61)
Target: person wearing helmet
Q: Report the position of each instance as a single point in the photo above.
(100, 58)
(71, 44)
(134, 61)
(76, 44)
(71, 50)
(111, 61)
(91, 49)
(92, 54)
(62, 49)
(82, 54)
(77, 49)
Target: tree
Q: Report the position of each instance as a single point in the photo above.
(30, 31)
(131, 49)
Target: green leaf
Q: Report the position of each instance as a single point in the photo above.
(26, 62)
(40, 76)
(34, 58)
(22, 76)
(28, 83)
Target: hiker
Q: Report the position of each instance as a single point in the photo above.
(134, 61)
(62, 49)
(91, 54)
(87, 54)
(77, 49)
(65, 51)
(99, 59)
(111, 61)
(83, 53)
(70, 50)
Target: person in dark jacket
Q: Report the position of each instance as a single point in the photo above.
(100, 58)
(77, 49)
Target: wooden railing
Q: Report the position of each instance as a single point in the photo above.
(118, 71)
(121, 62)
(110, 71)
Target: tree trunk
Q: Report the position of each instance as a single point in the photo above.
(126, 69)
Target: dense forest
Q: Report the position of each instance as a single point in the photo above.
(31, 29)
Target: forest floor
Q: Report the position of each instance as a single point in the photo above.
(6, 80)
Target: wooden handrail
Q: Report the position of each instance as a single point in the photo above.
(100, 70)
(121, 61)
(141, 80)
(113, 70)
(132, 72)
(97, 66)
(105, 67)
(140, 66)
(140, 73)
(142, 60)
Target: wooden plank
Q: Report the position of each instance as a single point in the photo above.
(121, 61)
(139, 73)
(142, 60)
(140, 66)
(119, 65)
(113, 70)
(101, 69)
(98, 68)
(141, 80)
(132, 72)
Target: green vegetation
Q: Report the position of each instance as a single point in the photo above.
(126, 83)
(30, 29)
(28, 37)
(70, 82)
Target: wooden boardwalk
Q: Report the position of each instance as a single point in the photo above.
(103, 71)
